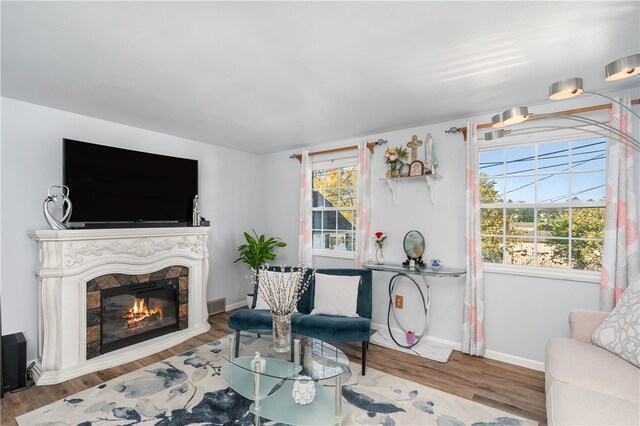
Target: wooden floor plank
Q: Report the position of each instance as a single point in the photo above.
(507, 387)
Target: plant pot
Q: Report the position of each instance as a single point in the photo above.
(249, 300)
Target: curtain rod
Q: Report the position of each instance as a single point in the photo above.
(463, 130)
(370, 145)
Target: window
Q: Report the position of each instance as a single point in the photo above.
(335, 199)
(544, 205)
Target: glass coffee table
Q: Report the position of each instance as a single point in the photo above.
(271, 389)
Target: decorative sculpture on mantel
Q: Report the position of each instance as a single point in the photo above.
(60, 200)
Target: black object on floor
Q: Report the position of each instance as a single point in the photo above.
(14, 362)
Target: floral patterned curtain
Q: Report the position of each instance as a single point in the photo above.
(305, 249)
(473, 321)
(363, 229)
(621, 258)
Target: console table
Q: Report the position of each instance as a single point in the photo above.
(399, 272)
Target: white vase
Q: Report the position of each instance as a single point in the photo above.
(304, 390)
(249, 300)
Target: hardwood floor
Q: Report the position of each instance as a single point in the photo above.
(504, 386)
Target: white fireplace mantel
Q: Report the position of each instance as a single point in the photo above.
(69, 258)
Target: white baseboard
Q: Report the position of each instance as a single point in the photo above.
(236, 305)
(495, 355)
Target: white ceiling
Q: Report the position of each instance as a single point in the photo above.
(266, 77)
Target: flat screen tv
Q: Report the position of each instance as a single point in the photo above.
(114, 186)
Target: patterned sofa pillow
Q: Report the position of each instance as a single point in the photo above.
(619, 333)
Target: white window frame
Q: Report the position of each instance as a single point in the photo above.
(327, 165)
(568, 274)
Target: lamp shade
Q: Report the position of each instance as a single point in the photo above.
(564, 89)
(494, 134)
(623, 68)
(515, 115)
(496, 121)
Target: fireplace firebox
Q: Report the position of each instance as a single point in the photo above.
(138, 312)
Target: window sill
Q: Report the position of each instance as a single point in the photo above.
(334, 254)
(589, 277)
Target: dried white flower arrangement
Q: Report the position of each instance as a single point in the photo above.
(282, 289)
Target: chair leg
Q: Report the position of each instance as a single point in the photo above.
(364, 357)
(237, 342)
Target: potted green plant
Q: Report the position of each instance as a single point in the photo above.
(255, 253)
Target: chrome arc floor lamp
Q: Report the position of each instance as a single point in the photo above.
(626, 67)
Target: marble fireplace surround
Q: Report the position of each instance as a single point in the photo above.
(69, 259)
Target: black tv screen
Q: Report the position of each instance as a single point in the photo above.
(108, 184)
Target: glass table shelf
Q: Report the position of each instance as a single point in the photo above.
(418, 270)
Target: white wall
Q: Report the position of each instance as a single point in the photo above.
(241, 191)
(229, 183)
(522, 313)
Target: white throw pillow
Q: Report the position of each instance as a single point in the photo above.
(619, 333)
(260, 302)
(336, 295)
(290, 278)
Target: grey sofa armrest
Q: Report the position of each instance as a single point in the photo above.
(583, 323)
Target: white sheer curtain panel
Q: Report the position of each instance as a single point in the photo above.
(305, 248)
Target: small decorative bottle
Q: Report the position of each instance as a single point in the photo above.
(261, 362)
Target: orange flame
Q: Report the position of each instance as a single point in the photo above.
(141, 311)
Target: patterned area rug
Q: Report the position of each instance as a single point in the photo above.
(189, 389)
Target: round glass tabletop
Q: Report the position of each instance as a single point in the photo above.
(318, 360)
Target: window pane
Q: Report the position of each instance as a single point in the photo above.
(553, 253)
(328, 240)
(346, 220)
(587, 255)
(553, 157)
(317, 241)
(330, 197)
(553, 188)
(347, 240)
(520, 160)
(553, 222)
(329, 220)
(588, 222)
(316, 220)
(491, 221)
(520, 222)
(588, 186)
(519, 251)
(491, 189)
(588, 155)
(348, 177)
(520, 190)
(317, 179)
(347, 198)
(491, 163)
(492, 249)
(318, 199)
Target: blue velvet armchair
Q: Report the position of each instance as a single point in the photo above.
(323, 327)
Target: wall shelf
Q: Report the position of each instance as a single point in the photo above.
(393, 184)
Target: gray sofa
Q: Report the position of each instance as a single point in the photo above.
(588, 385)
